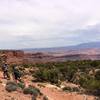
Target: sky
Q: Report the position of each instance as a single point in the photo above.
(48, 23)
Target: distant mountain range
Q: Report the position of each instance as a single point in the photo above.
(87, 45)
(90, 45)
(85, 51)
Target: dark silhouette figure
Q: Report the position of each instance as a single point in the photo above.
(16, 73)
(5, 71)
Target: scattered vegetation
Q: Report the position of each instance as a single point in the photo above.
(21, 85)
(11, 86)
(85, 73)
(71, 89)
(32, 91)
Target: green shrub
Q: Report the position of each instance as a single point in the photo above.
(11, 82)
(94, 63)
(93, 84)
(97, 75)
(11, 86)
(32, 91)
(21, 85)
(48, 75)
(71, 89)
(67, 89)
(75, 89)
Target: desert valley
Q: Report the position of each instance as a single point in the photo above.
(53, 74)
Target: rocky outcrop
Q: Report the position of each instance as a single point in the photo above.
(12, 53)
(12, 56)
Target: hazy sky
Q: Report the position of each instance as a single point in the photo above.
(48, 23)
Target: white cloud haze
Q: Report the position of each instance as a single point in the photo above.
(48, 23)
